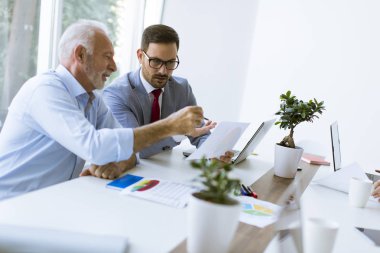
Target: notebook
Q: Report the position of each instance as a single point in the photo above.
(123, 182)
(336, 151)
(255, 140)
(314, 159)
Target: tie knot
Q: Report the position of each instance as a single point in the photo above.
(156, 93)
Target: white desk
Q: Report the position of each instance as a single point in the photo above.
(86, 205)
(322, 202)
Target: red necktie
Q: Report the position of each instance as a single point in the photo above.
(155, 115)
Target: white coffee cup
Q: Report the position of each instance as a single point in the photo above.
(360, 190)
(319, 235)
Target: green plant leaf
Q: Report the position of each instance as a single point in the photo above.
(294, 111)
(214, 177)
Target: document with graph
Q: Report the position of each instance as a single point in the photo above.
(169, 193)
(258, 212)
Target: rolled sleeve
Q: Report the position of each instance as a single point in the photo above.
(76, 133)
(124, 141)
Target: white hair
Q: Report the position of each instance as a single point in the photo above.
(79, 33)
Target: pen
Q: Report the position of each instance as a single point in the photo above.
(254, 194)
(244, 191)
(378, 171)
(250, 193)
(205, 118)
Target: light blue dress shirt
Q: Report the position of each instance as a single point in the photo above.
(46, 136)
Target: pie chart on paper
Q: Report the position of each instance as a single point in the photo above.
(145, 185)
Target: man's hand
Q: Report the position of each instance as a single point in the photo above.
(110, 170)
(203, 130)
(376, 189)
(185, 120)
(226, 158)
(182, 122)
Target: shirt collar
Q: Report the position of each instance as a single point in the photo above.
(148, 87)
(74, 87)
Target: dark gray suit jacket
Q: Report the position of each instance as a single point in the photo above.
(130, 104)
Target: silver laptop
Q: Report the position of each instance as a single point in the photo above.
(253, 142)
(337, 158)
(257, 137)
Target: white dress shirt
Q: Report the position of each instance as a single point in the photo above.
(149, 88)
(46, 137)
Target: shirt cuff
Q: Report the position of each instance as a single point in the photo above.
(125, 141)
(178, 138)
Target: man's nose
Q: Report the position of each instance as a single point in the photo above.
(113, 66)
(163, 69)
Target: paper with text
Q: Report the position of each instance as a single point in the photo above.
(340, 180)
(165, 192)
(222, 139)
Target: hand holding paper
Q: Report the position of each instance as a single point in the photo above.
(222, 139)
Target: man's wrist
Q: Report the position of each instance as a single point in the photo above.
(167, 127)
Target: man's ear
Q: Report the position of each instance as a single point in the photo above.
(140, 55)
(80, 53)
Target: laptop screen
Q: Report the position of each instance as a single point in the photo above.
(335, 143)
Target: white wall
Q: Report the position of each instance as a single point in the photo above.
(327, 49)
(240, 55)
(215, 39)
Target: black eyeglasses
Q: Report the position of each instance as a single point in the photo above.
(157, 63)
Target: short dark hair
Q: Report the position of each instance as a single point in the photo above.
(159, 34)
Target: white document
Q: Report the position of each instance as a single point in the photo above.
(16, 239)
(340, 180)
(222, 139)
(258, 212)
(164, 192)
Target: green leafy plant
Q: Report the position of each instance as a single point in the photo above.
(217, 184)
(293, 112)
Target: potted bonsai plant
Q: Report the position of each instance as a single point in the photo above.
(292, 112)
(212, 214)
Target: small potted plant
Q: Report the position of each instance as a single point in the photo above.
(292, 112)
(213, 215)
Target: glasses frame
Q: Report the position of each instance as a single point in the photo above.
(162, 62)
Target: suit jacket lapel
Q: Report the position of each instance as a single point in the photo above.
(142, 95)
(168, 98)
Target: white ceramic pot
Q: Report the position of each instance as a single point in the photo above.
(286, 161)
(210, 226)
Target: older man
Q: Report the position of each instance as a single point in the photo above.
(152, 92)
(56, 122)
